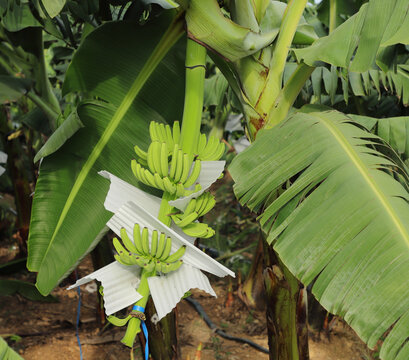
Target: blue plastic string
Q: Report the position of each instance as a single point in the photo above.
(78, 316)
(144, 329)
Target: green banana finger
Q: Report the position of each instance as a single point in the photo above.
(118, 247)
(134, 167)
(154, 243)
(169, 186)
(152, 131)
(166, 251)
(150, 180)
(190, 207)
(158, 265)
(180, 190)
(145, 241)
(122, 260)
(194, 174)
(168, 267)
(187, 220)
(149, 265)
(196, 230)
(159, 182)
(177, 254)
(127, 242)
(164, 136)
(204, 199)
(199, 203)
(201, 144)
(140, 153)
(187, 163)
(220, 151)
(156, 153)
(179, 166)
(164, 159)
(137, 239)
(150, 158)
(161, 245)
(172, 169)
(169, 138)
(208, 205)
(176, 132)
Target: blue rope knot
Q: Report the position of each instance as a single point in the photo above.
(144, 329)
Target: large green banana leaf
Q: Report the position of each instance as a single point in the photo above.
(342, 221)
(365, 38)
(118, 63)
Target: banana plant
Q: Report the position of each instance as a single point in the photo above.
(183, 178)
(300, 159)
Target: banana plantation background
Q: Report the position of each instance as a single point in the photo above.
(254, 149)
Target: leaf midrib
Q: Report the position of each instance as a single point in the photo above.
(170, 37)
(361, 167)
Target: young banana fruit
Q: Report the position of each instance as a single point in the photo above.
(151, 252)
(196, 208)
(166, 167)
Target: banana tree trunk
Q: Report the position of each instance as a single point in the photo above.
(163, 344)
(286, 311)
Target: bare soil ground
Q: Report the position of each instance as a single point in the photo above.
(47, 330)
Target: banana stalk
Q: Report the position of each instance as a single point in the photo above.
(134, 324)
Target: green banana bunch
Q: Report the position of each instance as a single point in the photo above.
(166, 167)
(195, 209)
(209, 149)
(155, 256)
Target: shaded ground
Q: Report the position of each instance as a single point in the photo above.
(47, 330)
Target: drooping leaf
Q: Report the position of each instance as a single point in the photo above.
(13, 266)
(344, 9)
(362, 37)
(117, 63)
(53, 7)
(7, 353)
(67, 129)
(215, 89)
(17, 16)
(12, 88)
(349, 234)
(394, 130)
(25, 289)
(37, 120)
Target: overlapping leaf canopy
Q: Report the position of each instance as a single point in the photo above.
(364, 39)
(341, 220)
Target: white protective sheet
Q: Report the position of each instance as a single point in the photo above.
(119, 283)
(131, 206)
(167, 290)
(130, 214)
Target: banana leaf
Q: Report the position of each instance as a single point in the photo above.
(7, 353)
(122, 64)
(394, 130)
(363, 39)
(25, 289)
(348, 233)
